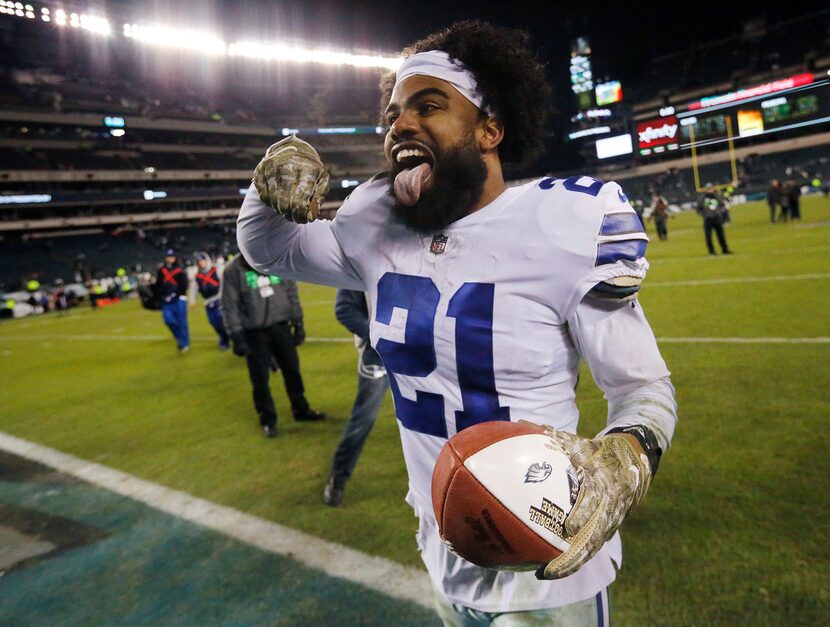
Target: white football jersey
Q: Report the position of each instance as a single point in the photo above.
(480, 323)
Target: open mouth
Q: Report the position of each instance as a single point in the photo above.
(411, 154)
(413, 163)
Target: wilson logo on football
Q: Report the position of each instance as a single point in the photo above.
(537, 473)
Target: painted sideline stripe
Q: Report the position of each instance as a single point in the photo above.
(744, 340)
(746, 279)
(377, 573)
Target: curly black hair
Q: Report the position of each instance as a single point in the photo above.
(510, 79)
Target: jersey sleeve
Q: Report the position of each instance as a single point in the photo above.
(621, 351)
(616, 258)
(308, 252)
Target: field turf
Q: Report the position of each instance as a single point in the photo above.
(734, 531)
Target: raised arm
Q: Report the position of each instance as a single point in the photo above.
(289, 178)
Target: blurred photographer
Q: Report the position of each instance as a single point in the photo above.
(715, 213)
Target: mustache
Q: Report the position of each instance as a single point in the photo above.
(458, 182)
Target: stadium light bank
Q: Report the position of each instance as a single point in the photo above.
(280, 52)
(203, 42)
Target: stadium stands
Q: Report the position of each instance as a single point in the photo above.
(100, 254)
(763, 51)
(179, 146)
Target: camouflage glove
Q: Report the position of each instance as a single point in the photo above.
(292, 179)
(615, 472)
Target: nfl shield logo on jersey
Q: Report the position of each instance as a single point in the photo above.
(439, 244)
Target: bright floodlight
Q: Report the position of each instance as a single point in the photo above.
(280, 52)
(173, 38)
(95, 24)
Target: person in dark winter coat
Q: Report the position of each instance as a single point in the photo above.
(264, 319)
(775, 192)
(714, 211)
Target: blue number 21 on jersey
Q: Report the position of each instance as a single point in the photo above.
(472, 308)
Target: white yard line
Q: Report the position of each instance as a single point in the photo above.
(376, 573)
(744, 340)
(812, 225)
(703, 257)
(745, 279)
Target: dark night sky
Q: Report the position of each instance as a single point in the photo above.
(623, 38)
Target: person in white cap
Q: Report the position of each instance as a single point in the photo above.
(207, 281)
(483, 298)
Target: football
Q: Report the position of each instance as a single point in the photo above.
(501, 494)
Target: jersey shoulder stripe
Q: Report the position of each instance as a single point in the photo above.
(621, 234)
(621, 244)
(628, 249)
(594, 236)
(621, 223)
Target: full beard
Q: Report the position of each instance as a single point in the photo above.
(458, 181)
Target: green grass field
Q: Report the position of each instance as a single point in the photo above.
(735, 529)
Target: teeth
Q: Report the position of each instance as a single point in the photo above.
(410, 152)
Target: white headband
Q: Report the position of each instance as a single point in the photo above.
(438, 64)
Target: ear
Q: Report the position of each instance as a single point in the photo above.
(491, 132)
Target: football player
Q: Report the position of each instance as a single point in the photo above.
(483, 298)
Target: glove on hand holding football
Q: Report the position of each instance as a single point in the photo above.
(292, 179)
(615, 476)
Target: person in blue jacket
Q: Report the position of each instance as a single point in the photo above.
(171, 287)
(351, 311)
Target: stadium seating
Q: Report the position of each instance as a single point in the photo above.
(761, 52)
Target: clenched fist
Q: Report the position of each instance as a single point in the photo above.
(292, 179)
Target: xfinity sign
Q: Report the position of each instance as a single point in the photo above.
(652, 133)
(657, 132)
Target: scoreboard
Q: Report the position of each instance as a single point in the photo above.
(783, 110)
(782, 105)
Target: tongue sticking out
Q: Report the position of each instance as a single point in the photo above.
(408, 183)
